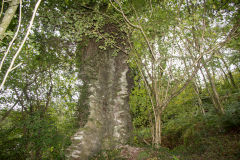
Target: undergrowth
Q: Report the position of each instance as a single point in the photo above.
(200, 137)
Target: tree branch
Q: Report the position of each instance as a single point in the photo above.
(8, 17)
(20, 48)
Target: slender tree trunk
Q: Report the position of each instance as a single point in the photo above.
(214, 94)
(8, 112)
(211, 80)
(42, 109)
(237, 66)
(229, 73)
(109, 121)
(8, 15)
(213, 86)
(207, 87)
(158, 130)
(195, 89)
(225, 75)
(213, 75)
(200, 104)
(153, 132)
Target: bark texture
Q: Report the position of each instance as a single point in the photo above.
(216, 99)
(8, 17)
(109, 121)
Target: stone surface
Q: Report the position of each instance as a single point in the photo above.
(109, 121)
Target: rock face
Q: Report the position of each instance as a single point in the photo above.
(109, 121)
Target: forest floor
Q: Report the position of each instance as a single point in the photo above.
(224, 146)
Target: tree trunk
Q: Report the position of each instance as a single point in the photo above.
(109, 121)
(229, 73)
(225, 76)
(210, 94)
(196, 90)
(158, 130)
(215, 97)
(215, 93)
(200, 104)
(8, 15)
(237, 67)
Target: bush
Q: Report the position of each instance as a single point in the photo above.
(141, 135)
(231, 119)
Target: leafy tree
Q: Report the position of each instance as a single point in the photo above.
(73, 74)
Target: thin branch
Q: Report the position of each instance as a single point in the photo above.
(8, 112)
(8, 17)
(19, 49)
(196, 69)
(148, 88)
(48, 96)
(151, 8)
(2, 8)
(15, 35)
(16, 66)
(134, 26)
(168, 85)
(197, 64)
(19, 99)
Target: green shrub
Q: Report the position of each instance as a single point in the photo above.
(142, 156)
(140, 135)
(108, 155)
(231, 119)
